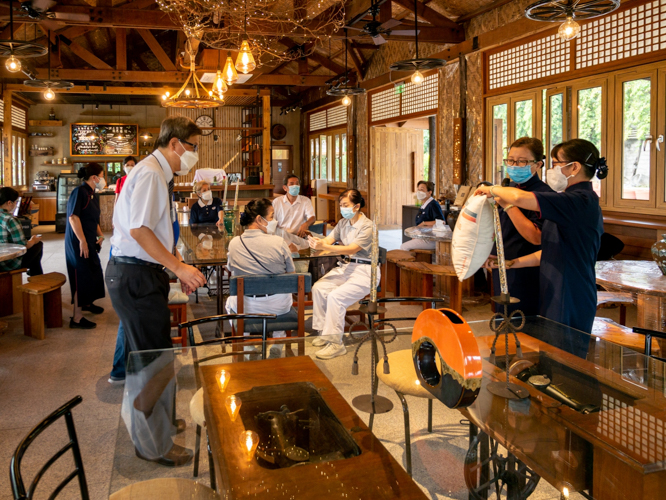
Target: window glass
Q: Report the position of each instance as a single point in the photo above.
(589, 122)
(523, 119)
(316, 161)
(344, 158)
(337, 158)
(14, 164)
(500, 141)
(323, 158)
(636, 126)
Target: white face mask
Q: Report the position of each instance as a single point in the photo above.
(556, 179)
(128, 170)
(271, 226)
(421, 195)
(100, 184)
(187, 160)
(207, 196)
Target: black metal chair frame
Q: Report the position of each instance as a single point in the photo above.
(18, 486)
(222, 342)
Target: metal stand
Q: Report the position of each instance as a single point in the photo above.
(371, 403)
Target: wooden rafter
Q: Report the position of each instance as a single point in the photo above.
(356, 62)
(6, 33)
(429, 15)
(82, 89)
(85, 54)
(157, 50)
(121, 49)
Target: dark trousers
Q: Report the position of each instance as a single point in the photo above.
(32, 259)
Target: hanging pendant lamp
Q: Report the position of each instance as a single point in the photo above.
(345, 92)
(229, 72)
(48, 84)
(15, 49)
(219, 85)
(417, 65)
(568, 11)
(245, 60)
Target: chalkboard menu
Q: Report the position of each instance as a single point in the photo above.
(108, 140)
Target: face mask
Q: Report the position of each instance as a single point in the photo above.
(421, 195)
(519, 174)
(556, 179)
(187, 160)
(207, 195)
(100, 184)
(271, 226)
(347, 212)
(294, 190)
(128, 170)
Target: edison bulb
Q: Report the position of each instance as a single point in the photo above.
(13, 64)
(164, 97)
(229, 71)
(49, 95)
(346, 101)
(245, 61)
(187, 91)
(220, 86)
(417, 77)
(569, 29)
(167, 93)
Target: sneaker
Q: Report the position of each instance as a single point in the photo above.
(320, 342)
(84, 324)
(116, 380)
(332, 351)
(93, 309)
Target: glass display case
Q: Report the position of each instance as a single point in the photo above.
(66, 184)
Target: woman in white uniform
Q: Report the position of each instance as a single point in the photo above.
(428, 214)
(260, 251)
(349, 282)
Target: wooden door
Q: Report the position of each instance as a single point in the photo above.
(396, 165)
(281, 164)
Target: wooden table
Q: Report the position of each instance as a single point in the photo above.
(9, 251)
(643, 279)
(372, 474)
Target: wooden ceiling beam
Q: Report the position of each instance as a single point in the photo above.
(85, 54)
(6, 33)
(327, 63)
(430, 15)
(82, 89)
(366, 46)
(356, 62)
(157, 50)
(121, 49)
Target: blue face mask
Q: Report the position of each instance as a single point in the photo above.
(347, 213)
(294, 190)
(519, 175)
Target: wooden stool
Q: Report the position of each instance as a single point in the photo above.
(178, 316)
(10, 299)
(42, 300)
(616, 298)
(423, 255)
(416, 280)
(393, 271)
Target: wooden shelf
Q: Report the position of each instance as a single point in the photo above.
(46, 164)
(40, 152)
(45, 134)
(45, 123)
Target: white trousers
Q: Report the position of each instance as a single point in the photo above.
(277, 304)
(418, 244)
(334, 293)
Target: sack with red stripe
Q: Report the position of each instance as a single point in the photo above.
(473, 237)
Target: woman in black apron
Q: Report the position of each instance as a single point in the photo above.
(571, 233)
(83, 237)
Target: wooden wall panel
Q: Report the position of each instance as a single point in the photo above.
(214, 154)
(362, 149)
(391, 170)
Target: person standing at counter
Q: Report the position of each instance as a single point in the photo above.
(12, 232)
(521, 228)
(570, 236)
(429, 212)
(128, 164)
(83, 237)
(205, 210)
(294, 212)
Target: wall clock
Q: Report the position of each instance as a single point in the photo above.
(278, 132)
(205, 121)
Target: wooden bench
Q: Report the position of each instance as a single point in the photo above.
(416, 280)
(10, 298)
(42, 301)
(606, 299)
(393, 271)
(423, 255)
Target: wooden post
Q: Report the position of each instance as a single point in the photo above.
(352, 157)
(7, 137)
(266, 157)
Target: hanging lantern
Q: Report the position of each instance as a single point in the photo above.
(346, 100)
(245, 61)
(219, 85)
(49, 95)
(569, 29)
(230, 74)
(568, 12)
(13, 64)
(417, 77)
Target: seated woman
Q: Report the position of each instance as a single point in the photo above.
(347, 283)
(259, 251)
(428, 213)
(205, 210)
(12, 232)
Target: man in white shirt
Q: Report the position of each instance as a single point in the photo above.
(294, 213)
(142, 246)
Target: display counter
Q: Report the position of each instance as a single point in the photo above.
(47, 205)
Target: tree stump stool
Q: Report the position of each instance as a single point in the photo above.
(416, 280)
(423, 255)
(10, 298)
(393, 271)
(42, 302)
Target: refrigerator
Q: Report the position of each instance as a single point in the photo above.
(66, 184)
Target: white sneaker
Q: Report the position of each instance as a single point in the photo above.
(332, 351)
(320, 342)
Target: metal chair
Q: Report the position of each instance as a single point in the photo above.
(18, 486)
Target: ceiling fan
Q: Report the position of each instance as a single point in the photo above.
(39, 10)
(377, 31)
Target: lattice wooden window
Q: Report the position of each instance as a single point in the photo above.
(384, 105)
(317, 121)
(418, 98)
(19, 118)
(2, 110)
(629, 33)
(336, 116)
(533, 60)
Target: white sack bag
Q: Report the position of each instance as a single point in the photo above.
(473, 237)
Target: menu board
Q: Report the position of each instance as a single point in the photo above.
(109, 140)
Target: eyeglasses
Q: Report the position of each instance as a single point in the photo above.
(194, 146)
(561, 163)
(508, 162)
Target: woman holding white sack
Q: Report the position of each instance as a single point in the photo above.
(347, 283)
(427, 216)
(260, 251)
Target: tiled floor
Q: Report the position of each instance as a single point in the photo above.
(37, 377)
